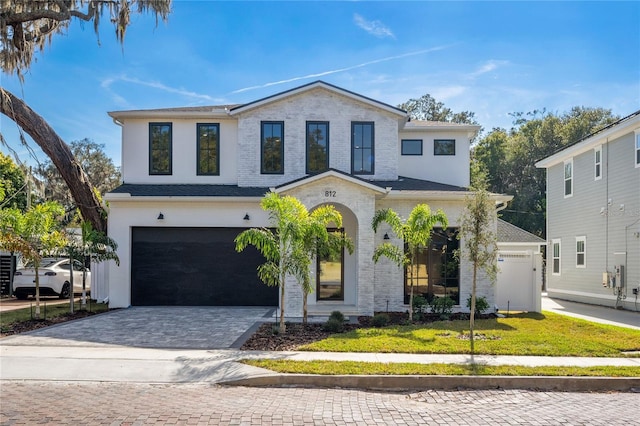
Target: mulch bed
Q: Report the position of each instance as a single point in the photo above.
(267, 339)
(30, 325)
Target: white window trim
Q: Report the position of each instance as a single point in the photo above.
(564, 179)
(637, 148)
(584, 252)
(553, 242)
(597, 163)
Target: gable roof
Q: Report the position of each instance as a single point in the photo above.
(509, 233)
(315, 85)
(614, 130)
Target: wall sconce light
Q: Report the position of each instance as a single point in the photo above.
(386, 236)
(602, 211)
(246, 217)
(160, 216)
(621, 207)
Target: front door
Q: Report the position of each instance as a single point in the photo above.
(330, 274)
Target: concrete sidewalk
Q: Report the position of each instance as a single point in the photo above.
(141, 365)
(594, 313)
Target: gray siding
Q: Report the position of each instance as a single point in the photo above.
(608, 232)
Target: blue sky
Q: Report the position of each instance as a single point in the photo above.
(492, 58)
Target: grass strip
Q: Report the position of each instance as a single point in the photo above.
(380, 368)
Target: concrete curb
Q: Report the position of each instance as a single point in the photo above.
(405, 383)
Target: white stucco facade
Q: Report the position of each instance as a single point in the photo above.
(230, 200)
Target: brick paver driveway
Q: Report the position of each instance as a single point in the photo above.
(199, 404)
(193, 327)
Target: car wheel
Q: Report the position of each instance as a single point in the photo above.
(21, 295)
(64, 293)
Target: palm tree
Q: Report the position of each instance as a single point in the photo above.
(281, 247)
(94, 245)
(415, 232)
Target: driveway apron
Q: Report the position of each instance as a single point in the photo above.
(207, 327)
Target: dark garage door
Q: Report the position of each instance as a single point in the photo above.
(195, 267)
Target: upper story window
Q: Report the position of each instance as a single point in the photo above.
(159, 148)
(208, 149)
(411, 147)
(581, 252)
(362, 148)
(444, 147)
(317, 146)
(638, 149)
(272, 147)
(568, 178)
(597, 162)
(555, 256)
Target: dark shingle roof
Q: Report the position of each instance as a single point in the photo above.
(508, 233)
(204, 190)
(194, 190)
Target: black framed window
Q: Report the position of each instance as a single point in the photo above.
(160, 148)
(208, 148)
(362, 148)
(444, 147)
(272, 147)
(317, 146)
(411, 147)
(437, 269)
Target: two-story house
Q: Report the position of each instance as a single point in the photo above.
(194, 177)
(593, 217)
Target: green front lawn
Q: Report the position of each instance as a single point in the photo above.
(545, 334)
(380, 368)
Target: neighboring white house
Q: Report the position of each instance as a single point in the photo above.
(519, 283)
(194, 177)
(593, 217)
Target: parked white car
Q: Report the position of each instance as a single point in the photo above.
(55, 278)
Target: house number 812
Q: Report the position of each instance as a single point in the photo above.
(331, 194)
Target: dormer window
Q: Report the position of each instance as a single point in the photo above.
(362, 148)
(160, 148)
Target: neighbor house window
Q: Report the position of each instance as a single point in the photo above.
(444, 147)
(568, 178)
(159, 148)
(362, 148)
(637, 149)
(581, 252)
(436, 272)
(555, 257)
(317, 146)
(411, 147)
(597, 162)
(208, 149)
(272, 147)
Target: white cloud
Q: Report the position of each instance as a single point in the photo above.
(488, 66)
(108, 82)
(376, 28)
(339, 70)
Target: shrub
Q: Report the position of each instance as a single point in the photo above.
(419, 306)
(481, 304)
(337, 315)
(443, 306)
(333, 325)
(380, 320)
